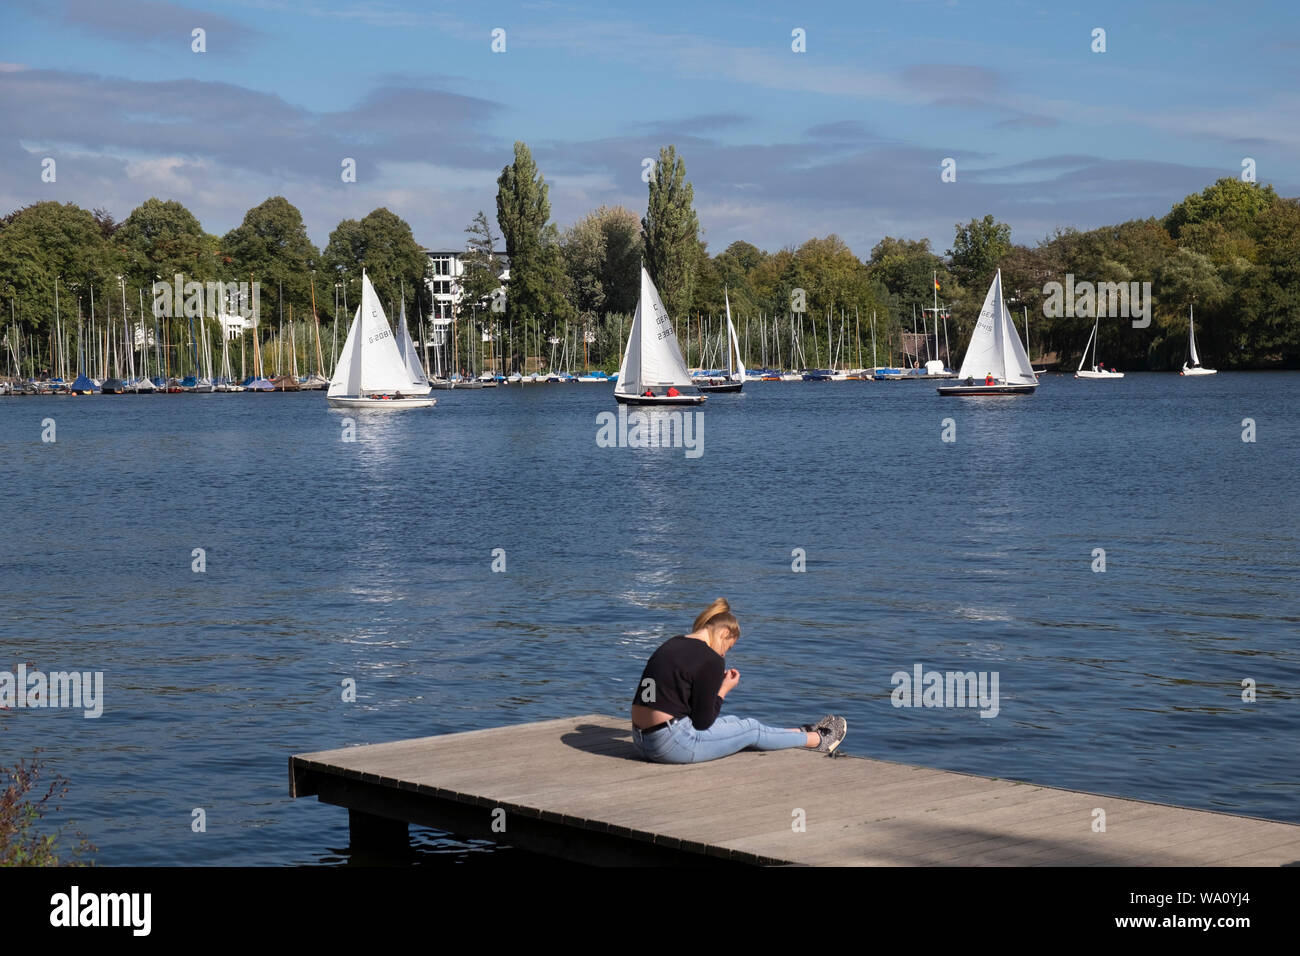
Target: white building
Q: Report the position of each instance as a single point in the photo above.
(445, 271)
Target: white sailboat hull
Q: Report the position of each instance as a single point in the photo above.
(386, 404)
(1089, 373)
(986, 389)
(658, 399)
(1199, 371)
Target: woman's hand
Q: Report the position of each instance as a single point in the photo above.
(729, 680)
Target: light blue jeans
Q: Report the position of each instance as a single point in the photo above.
(680, 742)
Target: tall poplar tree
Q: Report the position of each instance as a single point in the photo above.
(537, 278)
(672, 233)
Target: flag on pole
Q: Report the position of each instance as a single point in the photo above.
(936, 283)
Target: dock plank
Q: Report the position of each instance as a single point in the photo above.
(576, 787)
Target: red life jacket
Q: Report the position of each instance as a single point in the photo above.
(673, 391)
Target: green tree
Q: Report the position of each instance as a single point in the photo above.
(583, 245)
(48, 242)
(671, 231)
(382, 243)
(523, 210)
(602, 255)
(620, 276)
(1266, 323)
(977, 250)
(160, 239)
(733, 268)
(272, 246)
(482, 275)
(1230, 202)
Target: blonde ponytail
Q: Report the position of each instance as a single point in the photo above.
(722, 626)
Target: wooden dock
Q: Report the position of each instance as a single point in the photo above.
(575, 788)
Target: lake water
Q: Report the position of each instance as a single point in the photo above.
(372, 560)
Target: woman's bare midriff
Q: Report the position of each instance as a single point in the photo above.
(643, 716)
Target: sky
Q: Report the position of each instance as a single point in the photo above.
(848, 136)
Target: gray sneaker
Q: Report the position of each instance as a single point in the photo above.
(817, 727)
(832, 734)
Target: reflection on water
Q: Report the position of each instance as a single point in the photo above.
(372, 561)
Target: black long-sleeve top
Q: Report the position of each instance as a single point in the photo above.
(687, 676)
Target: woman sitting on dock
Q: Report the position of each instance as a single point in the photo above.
(675, 708)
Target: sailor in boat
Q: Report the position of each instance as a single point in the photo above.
(675, 709)
(672, 392)
(647, 394)
(988, 379)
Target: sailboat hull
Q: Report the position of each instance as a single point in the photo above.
(986, 389)
(1195, 372)
(659, 399)
(345, 401)
(1085, 373)
(725, 387)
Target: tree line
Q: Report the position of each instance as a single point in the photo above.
(1232, 251)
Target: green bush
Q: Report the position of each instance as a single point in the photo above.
(27, 798)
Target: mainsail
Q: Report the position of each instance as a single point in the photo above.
(1191, 331)
(735, 366)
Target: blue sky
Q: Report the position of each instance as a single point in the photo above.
(845, 138)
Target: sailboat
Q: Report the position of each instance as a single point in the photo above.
(226, 382)
(1094, 371)
(653, 371)
(995, 361)
(410, 357)
(371, 372)
(735, 377)
(1195, 368)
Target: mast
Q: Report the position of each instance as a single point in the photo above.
(58, 328)
(935, 274)
(144, 338)
(320, 361)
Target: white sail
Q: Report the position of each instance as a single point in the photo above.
(737, 366)
(1016, 369)
(411, 358)
(370, 362)
(347, 372)
(629, 370)
(1084, 357)
(984, 355)
(653, 358)
(1191, 331)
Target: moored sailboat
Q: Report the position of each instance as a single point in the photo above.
(995, 362)
(735, 377)
(411, 358)
(653, 371)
